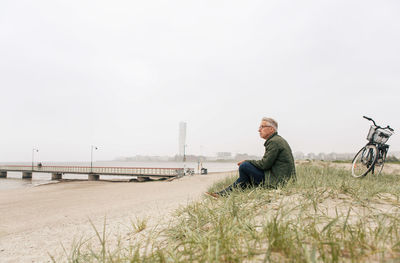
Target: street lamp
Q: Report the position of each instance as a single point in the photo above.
(91, 157)
(33, 153)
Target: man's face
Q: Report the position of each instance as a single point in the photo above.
(265, 130)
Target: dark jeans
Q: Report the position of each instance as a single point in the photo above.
(249, 175)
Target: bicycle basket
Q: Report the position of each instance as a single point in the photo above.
(371, 132)
(381, 136)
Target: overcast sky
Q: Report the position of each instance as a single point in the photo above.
(122, 75)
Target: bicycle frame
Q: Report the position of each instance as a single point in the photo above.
(382, 152)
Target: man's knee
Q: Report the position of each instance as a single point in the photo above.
(245, 166)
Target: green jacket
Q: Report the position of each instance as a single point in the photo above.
(277, 162)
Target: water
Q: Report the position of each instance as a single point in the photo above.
(14, 181)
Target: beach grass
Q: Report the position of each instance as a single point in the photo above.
(323, 216)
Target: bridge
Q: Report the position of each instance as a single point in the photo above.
(92, 172)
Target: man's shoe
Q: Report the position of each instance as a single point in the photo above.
(213, 195)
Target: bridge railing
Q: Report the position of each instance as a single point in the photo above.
(139, 171)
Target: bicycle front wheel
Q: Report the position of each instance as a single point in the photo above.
(364, 161)
(381, 161)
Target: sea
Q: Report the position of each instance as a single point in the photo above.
(14, 181)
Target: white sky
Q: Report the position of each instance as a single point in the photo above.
(122, 75)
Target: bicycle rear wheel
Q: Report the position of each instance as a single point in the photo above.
(381, 162)
(364, 161)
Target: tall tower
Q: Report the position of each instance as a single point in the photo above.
(182, 137)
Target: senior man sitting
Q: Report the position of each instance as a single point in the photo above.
(273, 170)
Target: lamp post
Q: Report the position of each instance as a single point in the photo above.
(33, 154)
(91, 157)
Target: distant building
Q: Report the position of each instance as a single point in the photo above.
(311, 156)
(332, 156)
(321, 156)
(224, 155)
(245, 156)
(182, 138)
(299, 155)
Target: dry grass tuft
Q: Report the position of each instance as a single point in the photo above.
(325, 216)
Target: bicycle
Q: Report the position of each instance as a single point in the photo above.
(374, 152)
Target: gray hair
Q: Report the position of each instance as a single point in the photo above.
(271, 122)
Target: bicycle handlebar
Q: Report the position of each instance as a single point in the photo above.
(370, 119)
(387, 127)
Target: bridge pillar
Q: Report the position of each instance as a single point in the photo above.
(93, 177)
(26, 175)
(3, 174)
(56, 176)
(143, 178)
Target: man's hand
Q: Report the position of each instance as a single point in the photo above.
(239, 163)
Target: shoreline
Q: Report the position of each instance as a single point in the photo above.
(16, 182)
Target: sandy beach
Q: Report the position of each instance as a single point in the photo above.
(35, 222)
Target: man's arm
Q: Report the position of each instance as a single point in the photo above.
(271, 153)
